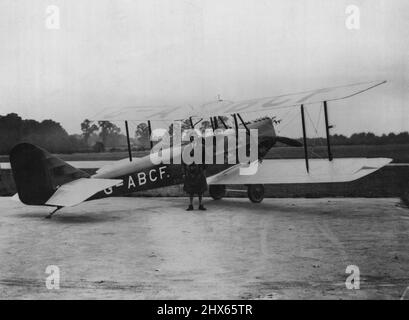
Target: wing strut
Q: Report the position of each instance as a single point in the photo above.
(193, 124)
(224, 124)
(304, 136)
(215, 123)
(236, 125)
(212, 124)
(327, 127)
(244, 124)
(150, 133)
(128, 141)
(197, 122)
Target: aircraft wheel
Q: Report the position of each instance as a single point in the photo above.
(255, 193)
(217, 191)
(405, 196)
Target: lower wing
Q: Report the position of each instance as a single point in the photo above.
(282, 171)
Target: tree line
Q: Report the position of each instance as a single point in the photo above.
(51, 136)
(47, 134)
(363, 138)
(106, 136)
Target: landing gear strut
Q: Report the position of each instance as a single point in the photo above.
(51, 214)
(255, 192)
(217, 191)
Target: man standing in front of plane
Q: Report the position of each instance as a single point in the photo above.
(195, 183)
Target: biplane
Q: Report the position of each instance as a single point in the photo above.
(45, 180)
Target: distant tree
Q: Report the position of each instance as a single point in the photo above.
(402, 137)
(107, 129)
(47, 134)
(77, 142)
(363, 138)
(116, 140)
(142, 131)
(339, 139)
(94, 137)
(142, 136)
(87, 129)
(11, 127)
(51, 136)
(185, 125)
(98, 147)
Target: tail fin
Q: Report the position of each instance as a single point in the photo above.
(38, 174)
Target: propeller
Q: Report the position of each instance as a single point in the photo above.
(289, 141)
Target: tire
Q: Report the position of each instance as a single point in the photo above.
(405, 196)
(255, 193)
(217, 191)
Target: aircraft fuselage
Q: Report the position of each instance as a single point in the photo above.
(150, 176)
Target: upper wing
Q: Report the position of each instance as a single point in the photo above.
(293, 171)
(286, 100)
(77, 191)
(143, 113)
(219, 108)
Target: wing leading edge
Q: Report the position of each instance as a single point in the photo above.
(218, 108)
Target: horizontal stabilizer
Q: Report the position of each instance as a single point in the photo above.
(283, 171)
(77, 191)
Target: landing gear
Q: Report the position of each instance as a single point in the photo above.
(217, 191)
(255, 192)
(51, 214)
(405, 196)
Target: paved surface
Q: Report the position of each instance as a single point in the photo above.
(150, 248)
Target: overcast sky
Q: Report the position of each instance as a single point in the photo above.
(179, 52)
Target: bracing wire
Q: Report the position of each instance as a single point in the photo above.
(316, 132)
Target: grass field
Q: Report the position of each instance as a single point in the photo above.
(398, 152)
